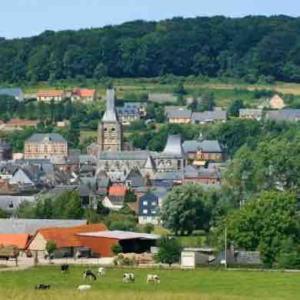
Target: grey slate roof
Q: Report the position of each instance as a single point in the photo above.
(211, 146)
(124, 155)
(13, 92)
(110, 113)
(173, 146)
(209, 116)
(284, 115)
(32, 225)
(51, 137)
(180, 112)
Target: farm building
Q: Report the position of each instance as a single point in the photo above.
(19, 240)
(101, 242)
(65, 238)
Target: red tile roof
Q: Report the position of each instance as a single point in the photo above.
(66, 237)
(85, 92)
(18, 240)
(21, 122)
(118, 190)
(50, 93)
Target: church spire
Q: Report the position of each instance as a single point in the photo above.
(110, 114)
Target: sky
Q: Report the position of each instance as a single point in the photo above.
(23, 18)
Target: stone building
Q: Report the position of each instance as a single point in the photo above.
(110, 129)
(49, 146)
(118, 164)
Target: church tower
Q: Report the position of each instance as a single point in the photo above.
(110, 129)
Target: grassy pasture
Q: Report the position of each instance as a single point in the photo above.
(175, 284)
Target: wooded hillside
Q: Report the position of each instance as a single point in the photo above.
(253, 48)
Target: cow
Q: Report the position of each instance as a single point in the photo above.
(128, 277)
(84, 287)
(153, 278)
(42, 286)
(64, 268)
(89, 274)
(101, 272)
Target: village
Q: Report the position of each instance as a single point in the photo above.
(112, 174)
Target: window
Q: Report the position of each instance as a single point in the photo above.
(145, 211)
(153, 211)
(153, 203)
(105, 129)
(145, 202)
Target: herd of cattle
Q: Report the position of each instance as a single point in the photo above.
(88, 274)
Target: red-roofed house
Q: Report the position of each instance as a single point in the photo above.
(84, 95)
(49, 95)
(115, 198)
(19, 241)
(66, 239)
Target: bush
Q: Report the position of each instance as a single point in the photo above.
(116, 249)
(169, 251)
(148, 228)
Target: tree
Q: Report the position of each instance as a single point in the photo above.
(169, 251)
(3, 214)
(148, 228)
(50, 248)
(179, 89)
(235, 107)
(264, 224)
(116, 249)
(130, 196)
(185, 209)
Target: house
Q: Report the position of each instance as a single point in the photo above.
(178, 115)
(148, 209)
(135, 181)
(101, 242)
(65, 238)
(116, 196)
(83, 95)
(162, 98)
(209, 117)
(16, 93)
(209, 176)
(250, 113)
(49, 146)
(50, 95)
(18, 240)
(131, 111)
(289, 115)
(276, 102)
(203, 150)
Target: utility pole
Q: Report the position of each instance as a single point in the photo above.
(225, 247)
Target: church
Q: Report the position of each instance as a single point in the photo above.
(117, 163)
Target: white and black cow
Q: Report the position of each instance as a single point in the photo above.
(128, 277)
(88, 274)
(152, 278)
(101, 271)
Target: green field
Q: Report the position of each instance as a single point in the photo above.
(175, 284)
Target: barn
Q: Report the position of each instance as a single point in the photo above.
(66, 239)
(101, 242)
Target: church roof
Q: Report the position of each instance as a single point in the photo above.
(110, 113)
(124, 155)
(149, 165)
(173, 146)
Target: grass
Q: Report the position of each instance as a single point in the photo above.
(175, 284)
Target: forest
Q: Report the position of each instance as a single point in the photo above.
(252, 48)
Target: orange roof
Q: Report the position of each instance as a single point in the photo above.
(18, 240)
(50, 93)
(21, 122)
(118, 190)
(85, 92)
(66, 236)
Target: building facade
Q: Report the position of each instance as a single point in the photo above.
(45, 146)
(110, 129)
